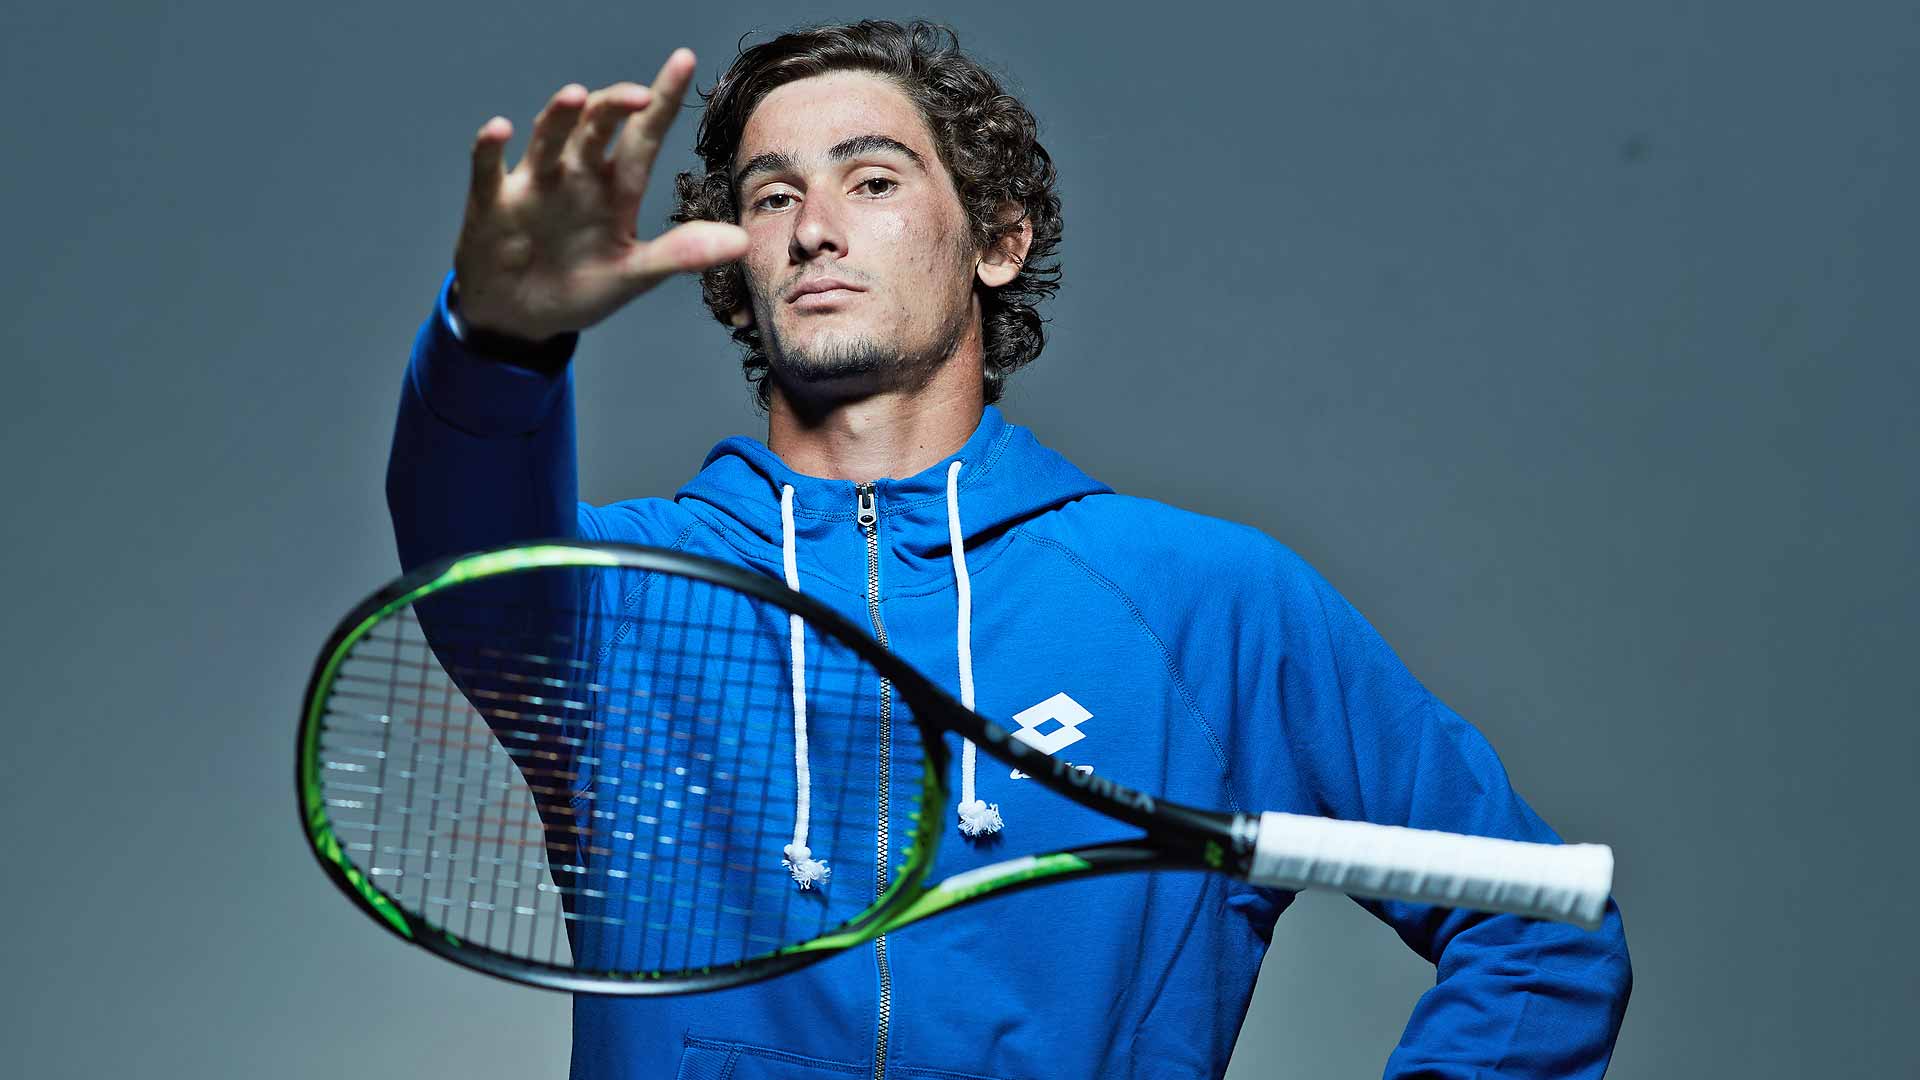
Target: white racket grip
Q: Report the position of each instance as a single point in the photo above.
(1565, 882)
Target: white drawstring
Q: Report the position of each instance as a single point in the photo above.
(977, 817)
(799, 861)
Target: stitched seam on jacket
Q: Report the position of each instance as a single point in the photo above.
(749, 1050)
(628, 602)
(1166, 655)
(942, 1074)
(633, 595)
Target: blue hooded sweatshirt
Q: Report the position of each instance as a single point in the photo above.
(1189, 657)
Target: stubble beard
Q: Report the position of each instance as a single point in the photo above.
(862, 365)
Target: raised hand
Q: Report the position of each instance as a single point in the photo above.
(549, 247)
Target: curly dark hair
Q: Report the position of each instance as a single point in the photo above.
(986, 138)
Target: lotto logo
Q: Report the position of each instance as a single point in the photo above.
(1058, 709)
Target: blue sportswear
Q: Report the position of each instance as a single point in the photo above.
(1213, 667)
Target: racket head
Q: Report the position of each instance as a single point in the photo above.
(572, 765)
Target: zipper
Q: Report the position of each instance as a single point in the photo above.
(867, 513)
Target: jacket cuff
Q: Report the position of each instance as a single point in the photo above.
(486, 393)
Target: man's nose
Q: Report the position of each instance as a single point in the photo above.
(817, 227)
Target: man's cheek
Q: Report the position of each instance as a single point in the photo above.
(891, 229)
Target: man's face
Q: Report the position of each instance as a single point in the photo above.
(837, 177)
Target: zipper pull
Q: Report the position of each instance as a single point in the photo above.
(866, 512)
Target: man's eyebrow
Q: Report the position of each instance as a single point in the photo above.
(851, 147)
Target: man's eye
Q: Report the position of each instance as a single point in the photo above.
(775, 195)
(887, 180)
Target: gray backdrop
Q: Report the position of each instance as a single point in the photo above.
(1570, 342)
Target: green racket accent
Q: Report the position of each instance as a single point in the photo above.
(903, 895)
(319, 829)
(487, 564)
(952, 892)
(972, 884)
(330, 847)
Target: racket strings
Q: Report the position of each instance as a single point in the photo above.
(600, 793)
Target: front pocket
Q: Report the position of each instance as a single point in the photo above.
(706, 1062)
(927, 1073)
(712, 1059)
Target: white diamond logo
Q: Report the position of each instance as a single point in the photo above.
(1059, 708)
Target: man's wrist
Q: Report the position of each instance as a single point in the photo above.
(548, 356)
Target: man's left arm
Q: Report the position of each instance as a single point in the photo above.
(1513, 997)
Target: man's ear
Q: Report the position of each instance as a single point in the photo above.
(1002, 262)
(741, 316)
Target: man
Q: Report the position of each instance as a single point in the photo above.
(871, 222)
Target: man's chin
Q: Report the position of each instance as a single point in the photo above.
(836, 364)
(832, 368)
(812, 388)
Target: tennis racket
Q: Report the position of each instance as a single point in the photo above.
(606, 768)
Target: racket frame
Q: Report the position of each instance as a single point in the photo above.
(1176, 837)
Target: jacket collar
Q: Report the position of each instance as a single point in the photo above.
(1006, 477)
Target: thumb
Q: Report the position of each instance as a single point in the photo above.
(689, 247)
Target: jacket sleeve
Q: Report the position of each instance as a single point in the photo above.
(483, 455)
(483, 450)
(1513, 996)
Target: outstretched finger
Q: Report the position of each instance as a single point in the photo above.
(551, 128)
(488, 145)
(640, 140)
(694, 245)
(604, 111)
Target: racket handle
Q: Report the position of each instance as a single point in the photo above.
(1565, 882)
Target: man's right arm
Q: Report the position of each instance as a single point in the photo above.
(483, 448)
(483, 451)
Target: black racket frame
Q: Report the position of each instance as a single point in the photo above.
(1175, 836)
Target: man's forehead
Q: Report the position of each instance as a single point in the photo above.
(809, 119)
